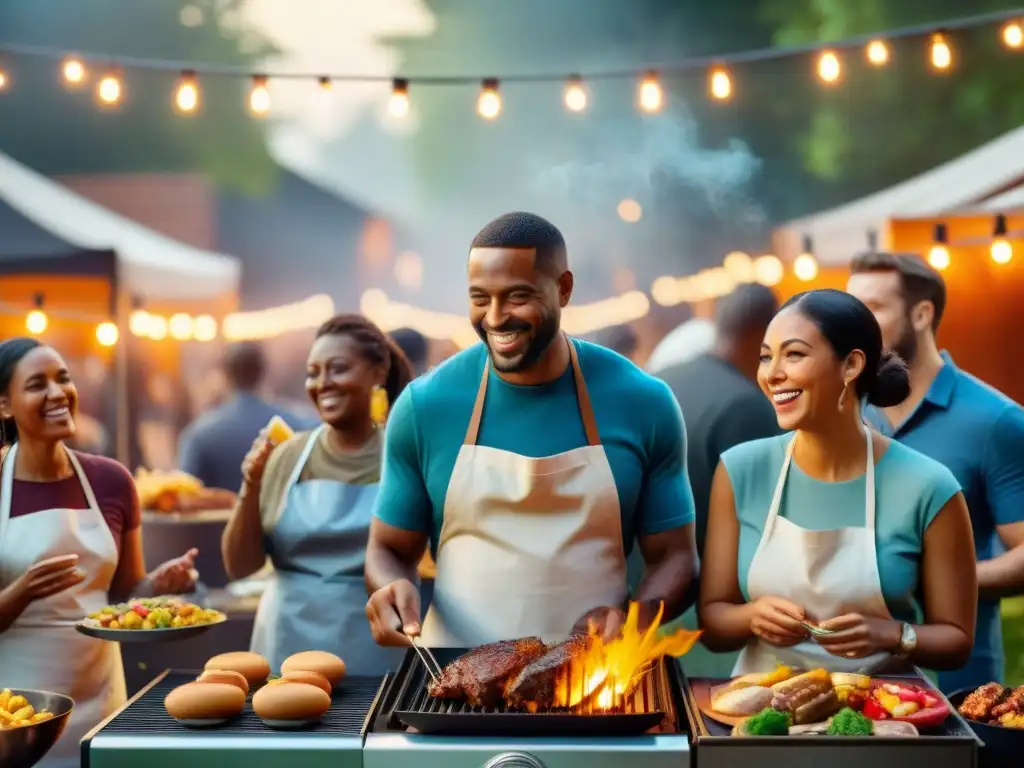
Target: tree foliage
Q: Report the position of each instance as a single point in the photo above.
(62, 132)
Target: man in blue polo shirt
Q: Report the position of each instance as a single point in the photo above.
(531, 463)
(951, 416)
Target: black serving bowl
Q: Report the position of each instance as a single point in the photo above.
(25, 746)
(1002, 745)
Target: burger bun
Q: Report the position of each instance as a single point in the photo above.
(327, 664)
(290, 705)
(253, 667)
(204, 704)
(225, 676)
(306, 678)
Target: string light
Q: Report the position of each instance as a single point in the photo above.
(720, 84)
(107, 334)
(36, 321)
(3, 80)
(398, 104)
(575, 96)
(629, 211)
(180, 327)
(938, 256)
(488, 105)
(769, 270)
(740, 266)
(157, 328)
(204, 328)
(829, 67)
(325, 83)
(805, 266)
(73, 72)
(1000, 250)
(941, 53)
(138, 322)
(186, 98)
(109, 90)
(259, 96)
(878, 53)
(649, 95)
(1013, 35)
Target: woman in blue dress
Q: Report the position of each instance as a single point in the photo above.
(832, 524)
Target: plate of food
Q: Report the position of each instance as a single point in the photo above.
(150, 620)
(846, 722)
(993, 706)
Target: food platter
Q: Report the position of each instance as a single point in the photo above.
(138, 636)
(150, 620)
(702, 693)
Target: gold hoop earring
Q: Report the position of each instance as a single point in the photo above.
(378, 405)
(842, 396)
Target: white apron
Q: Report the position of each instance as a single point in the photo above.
(827, 573)
(528, 545)
(316, 597)
(42, 649)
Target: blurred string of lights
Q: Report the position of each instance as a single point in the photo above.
(106, 72)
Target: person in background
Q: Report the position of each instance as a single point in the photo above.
(680, 345)
(833, 524)
(531, 462)
(70, 544)
(415, 347)
(621, 339)
(212, 447)
(307, 503)
(973, 429)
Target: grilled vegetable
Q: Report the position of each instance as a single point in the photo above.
(768, 722)
(847, 722)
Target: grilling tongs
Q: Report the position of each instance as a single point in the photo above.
(429, 662)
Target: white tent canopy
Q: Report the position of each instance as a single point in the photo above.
(966, 182)
(151, 265)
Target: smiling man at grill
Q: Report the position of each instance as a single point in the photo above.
(531, 463)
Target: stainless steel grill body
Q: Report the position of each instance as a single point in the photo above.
(143, 735)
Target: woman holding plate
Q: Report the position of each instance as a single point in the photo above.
(70, 543)
(831, 545)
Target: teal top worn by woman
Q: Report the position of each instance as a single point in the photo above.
(911, 489)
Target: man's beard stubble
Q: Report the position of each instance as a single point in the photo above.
(906, 345)
(543, 334)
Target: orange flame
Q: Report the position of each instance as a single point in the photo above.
(607, 672)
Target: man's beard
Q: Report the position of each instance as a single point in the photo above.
(543, 334)
(906, 344)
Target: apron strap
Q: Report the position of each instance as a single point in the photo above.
(90, 497)
(7, 489)
(307, 450)
(582, 397)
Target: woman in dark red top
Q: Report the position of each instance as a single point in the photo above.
(70, 543)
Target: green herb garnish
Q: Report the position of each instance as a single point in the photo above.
(768, 722)
(848, 722)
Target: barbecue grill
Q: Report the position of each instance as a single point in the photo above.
(412, 728)
(142, 733)
(954, 745)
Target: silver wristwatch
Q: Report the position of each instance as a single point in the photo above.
(908, 641)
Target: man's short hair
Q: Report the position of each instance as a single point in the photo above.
(748, 309)
(525, 230)
(918, 281)
(244, 364)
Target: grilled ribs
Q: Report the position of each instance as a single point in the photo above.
(1012, 705)
(536, 685)
(979, 705)
(479, 676)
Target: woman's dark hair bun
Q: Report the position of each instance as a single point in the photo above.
(891, 385)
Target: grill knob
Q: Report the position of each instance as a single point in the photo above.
(514, 760)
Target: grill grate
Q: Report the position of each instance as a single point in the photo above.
(640, 710)
(346, 717)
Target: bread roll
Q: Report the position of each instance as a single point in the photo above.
(306, 678)
(253, 667)
(327, 664)
(290, 702)
(204, 701)
(225, 676)
(742, 702)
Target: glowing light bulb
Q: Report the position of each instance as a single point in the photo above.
(259, 96)
(488, 105)
(157, 329)
(941, 54)
(878, 53)
(186, 98)
(649, 95)
(73, 71)
(575, 96)
(3, 80)
(398, 104)
(180, 327)
(1013, 35)
(805, 267)
(326, 84)
(107, 334)
(768, 270)
(629, 211)
(938, 256)
(36, 321)
(138, 322)
(830, 69)
(1001, 251)
(740, 266)
(721, 85)
(204, 328)
(109, 90)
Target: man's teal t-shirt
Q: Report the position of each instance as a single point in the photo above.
(638, 418)
(910, 490)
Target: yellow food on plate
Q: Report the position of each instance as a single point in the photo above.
(153, 613)
(16, 712)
